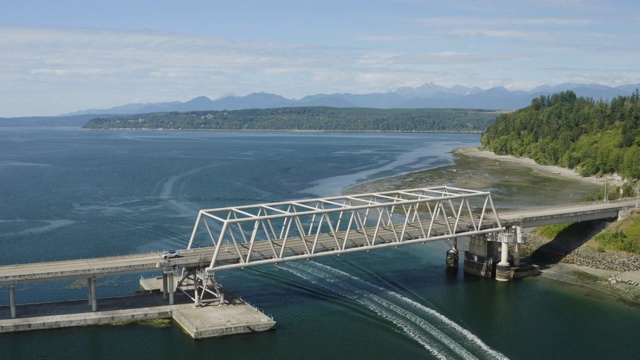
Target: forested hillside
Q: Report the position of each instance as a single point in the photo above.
(594, 137)
(306, 118)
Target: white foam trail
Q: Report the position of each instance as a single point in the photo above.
(50, 226)
(406, 327)
(464, 332)
(17, 163)
(422, 323)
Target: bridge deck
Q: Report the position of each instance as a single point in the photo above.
(327, 244)
(297, 247)
(564, 214)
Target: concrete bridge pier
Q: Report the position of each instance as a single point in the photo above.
(12, 300)
(488, 256)
(164, 285)
(168, 280)
(516, 246)
(92, 298)
(481, 256)
(503, 268)
(452, 255)
(506, 271)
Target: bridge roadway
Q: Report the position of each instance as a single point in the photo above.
(295, 248)
(201, 257)
(529, 218)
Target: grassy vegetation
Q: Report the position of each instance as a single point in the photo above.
(552, 231)
(566, 233)
(621, 236)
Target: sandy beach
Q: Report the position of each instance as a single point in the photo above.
(546, 169)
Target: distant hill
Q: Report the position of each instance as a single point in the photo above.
(311, 118)
(424, 96)
(592, 137)
(46, 121)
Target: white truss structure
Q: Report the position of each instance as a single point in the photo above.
(251, 235)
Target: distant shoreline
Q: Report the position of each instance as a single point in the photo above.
(300, 131)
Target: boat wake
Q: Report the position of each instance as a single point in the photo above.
(439, 335)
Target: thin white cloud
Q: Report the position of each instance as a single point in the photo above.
(48, 70)
(473, 21)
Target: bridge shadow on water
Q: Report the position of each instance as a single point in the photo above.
(567, 242)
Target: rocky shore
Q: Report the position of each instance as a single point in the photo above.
(548, 252)
(612, 273)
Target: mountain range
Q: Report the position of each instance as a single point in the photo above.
(424, 96)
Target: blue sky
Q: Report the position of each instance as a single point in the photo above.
(66, 55)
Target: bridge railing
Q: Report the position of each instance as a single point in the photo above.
(275, 232)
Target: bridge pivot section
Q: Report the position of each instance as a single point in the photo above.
(252, 235)
(200, 286)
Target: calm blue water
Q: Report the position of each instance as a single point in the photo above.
(72, 194)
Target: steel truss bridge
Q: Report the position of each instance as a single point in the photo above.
(245, 236)
(253, 235)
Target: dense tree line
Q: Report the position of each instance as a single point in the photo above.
(594, 137)
(306, 118)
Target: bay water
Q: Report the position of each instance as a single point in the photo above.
(69, 193)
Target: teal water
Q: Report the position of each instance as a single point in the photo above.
(72, 194)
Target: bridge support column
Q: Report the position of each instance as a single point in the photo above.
(92, 294)
(164, 285)
(12, 300)
(516, 246)
(89, 291)
(452, 255)
(170, 284)
(503, 268)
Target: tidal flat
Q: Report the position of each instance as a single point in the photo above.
(513, 182)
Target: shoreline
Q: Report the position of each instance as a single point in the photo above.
(551, 170)
(621, 285)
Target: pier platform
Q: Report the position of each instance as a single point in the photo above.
(212, 320)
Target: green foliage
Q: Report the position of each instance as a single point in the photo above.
(568, 233)
(306, 118)
(590, 136)
(613, 192)
(617, 240)
(552, 231)
(623, 237)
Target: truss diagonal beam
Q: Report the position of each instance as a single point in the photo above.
(269, 233)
